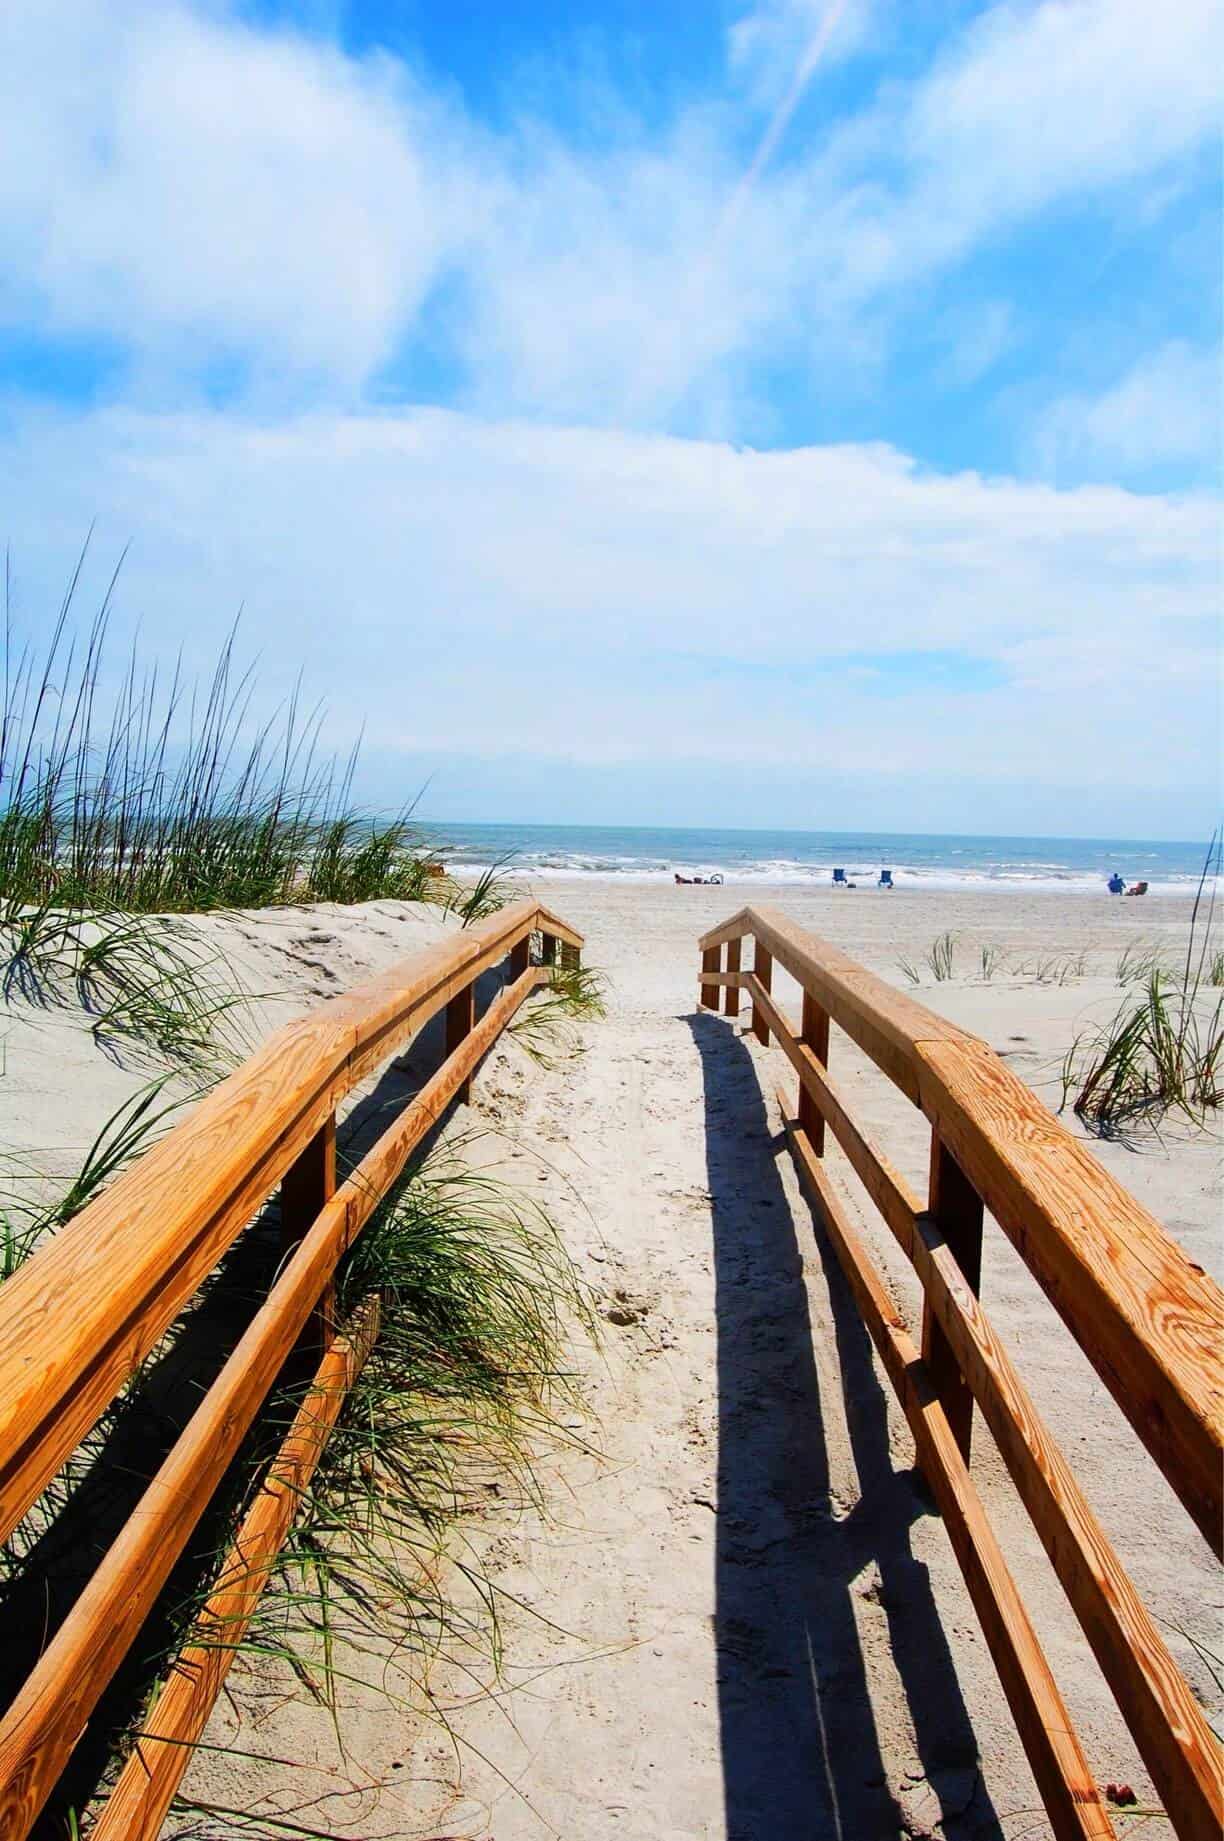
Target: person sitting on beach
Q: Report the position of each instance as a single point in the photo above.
(1116, 884)
(1140, 888)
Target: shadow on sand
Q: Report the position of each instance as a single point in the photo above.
(802, 1752)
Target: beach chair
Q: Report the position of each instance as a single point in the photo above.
(886, 881)
(839, 879)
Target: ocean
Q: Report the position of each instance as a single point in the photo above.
(651, 854)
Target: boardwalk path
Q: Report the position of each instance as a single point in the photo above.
(740, 1619)
(750, 1641)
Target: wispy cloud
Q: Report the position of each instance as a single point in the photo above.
(193, 186)
(1168, 409)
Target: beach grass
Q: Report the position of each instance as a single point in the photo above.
(125, 786)
(458, 1397)
(1163, 1051)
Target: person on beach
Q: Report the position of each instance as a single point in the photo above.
(1116, 884)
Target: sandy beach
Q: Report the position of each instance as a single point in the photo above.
(735, 1614)
(739, 1615)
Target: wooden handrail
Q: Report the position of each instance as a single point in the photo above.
(1112, 1272)
(1150, 1321)
(76, 1321)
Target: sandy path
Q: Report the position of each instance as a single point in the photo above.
(766, 1633)
(739, 1617)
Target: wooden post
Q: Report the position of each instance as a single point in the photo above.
(815, 1033)
(569, 957)
(731, 996)
(307, 1184)
(762, 965)
(711, 961)
(956, 1209)
(460, 1015)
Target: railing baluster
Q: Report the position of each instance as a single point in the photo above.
(731, 996)
(815, 1033)
(956, 1208)
(308, 1183)
(460, 1016)
(711, 961)
(762, 965)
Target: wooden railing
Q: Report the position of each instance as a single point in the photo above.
(77, 1321)
(1149, 1320)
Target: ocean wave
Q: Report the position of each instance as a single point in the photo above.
(1003, 878)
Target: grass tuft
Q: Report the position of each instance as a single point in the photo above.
(1164, 1052)
(544, 1029)
(991, 959)
(461, 1387)
(128, 788)
(940, 957)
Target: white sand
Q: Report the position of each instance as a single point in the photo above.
(755, 1623)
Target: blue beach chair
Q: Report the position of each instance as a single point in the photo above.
(886, 881)
(839, 879)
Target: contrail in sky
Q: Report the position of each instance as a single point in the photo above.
(776, 128)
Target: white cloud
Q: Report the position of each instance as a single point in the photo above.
(1165, 411)
(171, 179)
(193, 187)
(510, 590)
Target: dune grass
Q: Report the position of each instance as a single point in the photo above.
(1163, 1051)
(457, 1400)
(544, 1029)
(127, 787)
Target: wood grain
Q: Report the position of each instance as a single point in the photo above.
(138, 1804)
(1068, 1790)
(1172, 1734)
(707, 995)
(1150, 1321)
(79, 1318)
(49, 1713)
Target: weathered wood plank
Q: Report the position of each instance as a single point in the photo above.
(138, 1804)
(48, 1714)
(1069, 1792)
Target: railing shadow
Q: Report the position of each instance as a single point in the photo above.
(801, 1751)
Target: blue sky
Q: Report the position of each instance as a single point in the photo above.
(644, 413)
